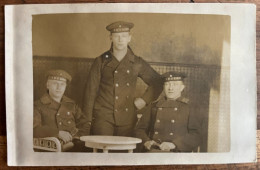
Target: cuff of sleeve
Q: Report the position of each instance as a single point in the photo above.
(74, 132)
(146, 99)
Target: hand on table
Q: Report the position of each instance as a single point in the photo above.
(149, 144)
(167, 146)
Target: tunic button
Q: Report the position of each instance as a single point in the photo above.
(60, 123)
(116, 97)
(126, 109)
(115, 110)
(58, 114)
(116, 71)
(127, 84)
(158, 121)
(68, 113)
(156, 133)
(127, 97)
(160, 108)
(172, 121)
(128, 71)
(171, 134)
(116, 84)
(69, 122)
(175, 108)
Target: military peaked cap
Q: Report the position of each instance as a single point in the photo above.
(173, 76)
(120, 26)
(58, 75)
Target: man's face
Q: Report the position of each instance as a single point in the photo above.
(120, 40)
(56, 88)
(173, 89)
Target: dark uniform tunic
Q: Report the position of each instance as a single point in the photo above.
(170, 121)
(110, 88)
(50, 117)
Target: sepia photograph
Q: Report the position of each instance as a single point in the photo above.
(130, 84)
(161, 79)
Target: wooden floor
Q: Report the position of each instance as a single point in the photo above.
(3, 152)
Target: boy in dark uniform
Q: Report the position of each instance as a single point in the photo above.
(56, 115)
(109, 96)
(169, 125)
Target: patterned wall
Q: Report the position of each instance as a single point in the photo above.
(200, 81)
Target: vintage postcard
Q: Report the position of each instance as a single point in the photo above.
(128, 84)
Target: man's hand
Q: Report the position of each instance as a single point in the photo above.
(139, 103)
(167, 146)
(149, 144)
(65, 136)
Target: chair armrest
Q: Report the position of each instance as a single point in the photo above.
(47, 144)
(51, 144)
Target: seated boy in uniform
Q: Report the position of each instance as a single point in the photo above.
(168, 125)
(56, 115)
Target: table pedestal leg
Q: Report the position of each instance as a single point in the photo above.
(130, 151)
(105, 150)
(95, 150)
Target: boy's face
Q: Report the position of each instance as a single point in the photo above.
(56, 87)
(120, 40)
(173, 89)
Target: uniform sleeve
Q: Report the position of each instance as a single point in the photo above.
(152, 79)
(192, 139)
(143, 126)
(82, 123)
(39, 130)
(92, 87)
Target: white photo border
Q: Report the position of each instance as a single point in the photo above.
(19, 86)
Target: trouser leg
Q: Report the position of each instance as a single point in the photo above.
(102, 127)
(123, 131)
(127, 130)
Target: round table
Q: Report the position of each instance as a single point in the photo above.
(110, 143)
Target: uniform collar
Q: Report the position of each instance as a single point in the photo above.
(112, 62)
(171, 103)
(130, 54)
(46, 99)
(65, 99)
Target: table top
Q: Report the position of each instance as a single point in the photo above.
(111, 139)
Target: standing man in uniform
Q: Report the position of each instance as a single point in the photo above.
(109, 96)
(169, 125)
(56, 115)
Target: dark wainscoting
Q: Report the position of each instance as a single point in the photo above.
(200, 79)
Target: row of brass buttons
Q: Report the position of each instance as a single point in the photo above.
(160, 108)
(156, 133)
(118, 97)
(128, 71)
(158, 121)
(126, 109)
(117, 85)
(68, 113)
